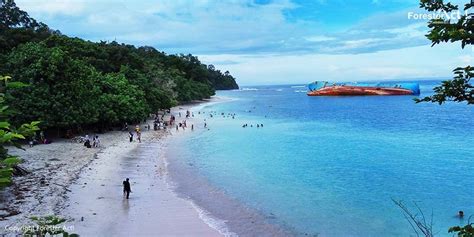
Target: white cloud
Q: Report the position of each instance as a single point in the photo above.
(319, 38)
(53, 7)
(256, 42)
(176, 26)
(466, 59)
(416, 62)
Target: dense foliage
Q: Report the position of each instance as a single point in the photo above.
(464, 231)
(460, 89)
(9, 135)
(74, 82)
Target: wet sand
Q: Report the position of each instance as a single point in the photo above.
(52, 169)
(152, 210)
(85, 186)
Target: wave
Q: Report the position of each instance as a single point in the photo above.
(279, 90)
(249, 89)
(300, 91)
(303, 86)
(217, 224)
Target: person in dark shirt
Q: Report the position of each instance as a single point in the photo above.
(126, 188)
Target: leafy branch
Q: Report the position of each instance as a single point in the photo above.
(460, 88)
(464, 231)
(10, 135)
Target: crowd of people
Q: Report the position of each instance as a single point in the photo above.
(251, 125)
(159, 123)
(38, 138)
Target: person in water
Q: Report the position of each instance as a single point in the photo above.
(126, 188)
(461, 214)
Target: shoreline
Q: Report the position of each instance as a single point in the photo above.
(84, 193)
(61, 188)
(221, 211)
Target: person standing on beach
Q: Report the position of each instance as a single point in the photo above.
(42, 138)
(96, 141)
(126, 188)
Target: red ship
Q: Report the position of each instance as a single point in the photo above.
(354, 89)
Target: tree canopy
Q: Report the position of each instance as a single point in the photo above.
(460, 88)
(75, 82)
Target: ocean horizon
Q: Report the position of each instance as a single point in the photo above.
(325, 166)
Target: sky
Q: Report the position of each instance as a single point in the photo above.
(269, 41)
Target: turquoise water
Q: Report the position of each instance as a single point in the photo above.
(330, 165)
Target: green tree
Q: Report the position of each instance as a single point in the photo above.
(119, 100)
(17, 27)
(9, 135)
(75, 82)
(460, 88)
(11, 16)
(63, 90)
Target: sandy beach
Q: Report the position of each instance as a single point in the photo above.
(85, 186)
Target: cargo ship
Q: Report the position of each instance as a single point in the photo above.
(324, 88)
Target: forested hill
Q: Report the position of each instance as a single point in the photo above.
(75, 82)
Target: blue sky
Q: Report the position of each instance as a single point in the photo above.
(268, 41)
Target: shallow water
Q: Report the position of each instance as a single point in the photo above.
(331, 165)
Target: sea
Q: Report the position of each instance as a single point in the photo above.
(326, 166)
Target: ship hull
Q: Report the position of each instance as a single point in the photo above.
(323, 88)
(355, 90)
